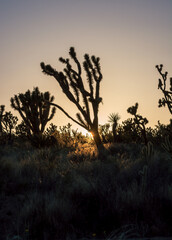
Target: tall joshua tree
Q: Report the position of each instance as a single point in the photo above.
(72, 84)
(113, 119)
(167, 99)
(34, 110)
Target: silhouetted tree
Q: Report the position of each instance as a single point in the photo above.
(34, 110)
(162, 130)
(114, 118)
(127, 131)
(167, 100)
(105, 133)
(71, 83)
(22, 130)
(139, 121)
(9, 122)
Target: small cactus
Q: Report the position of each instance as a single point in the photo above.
(148, 151)
(167, 145)
(144, 174)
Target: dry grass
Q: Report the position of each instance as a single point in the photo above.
(71, 194)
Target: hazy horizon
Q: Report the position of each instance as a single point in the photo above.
(129, 36)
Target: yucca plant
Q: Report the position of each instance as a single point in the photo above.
(113, 119)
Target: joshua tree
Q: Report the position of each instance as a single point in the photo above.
(34, 110)
(139, 121)
(167, 100)
(9, 122)
(71, 83)
(114, 118)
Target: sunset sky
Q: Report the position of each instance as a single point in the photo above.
(129, 36)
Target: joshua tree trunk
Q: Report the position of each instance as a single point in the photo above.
(2, 109)
(96, 137)
(114, 132)
(0, 128)
(102, 151)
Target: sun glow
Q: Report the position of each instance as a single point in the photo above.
(90, 134)
(87, 133)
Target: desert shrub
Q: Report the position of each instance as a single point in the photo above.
(7, 172)
(74, 193)
(90, 188)
(131, 150)
(83, 153)
(46, 216)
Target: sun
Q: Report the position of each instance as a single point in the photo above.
(87, 133)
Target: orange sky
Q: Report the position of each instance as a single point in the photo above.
(129, 36)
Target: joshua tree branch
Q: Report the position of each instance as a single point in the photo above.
(162, 85)
(54, 104)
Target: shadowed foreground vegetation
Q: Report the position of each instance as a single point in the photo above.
(68, 193)
(56, 183)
